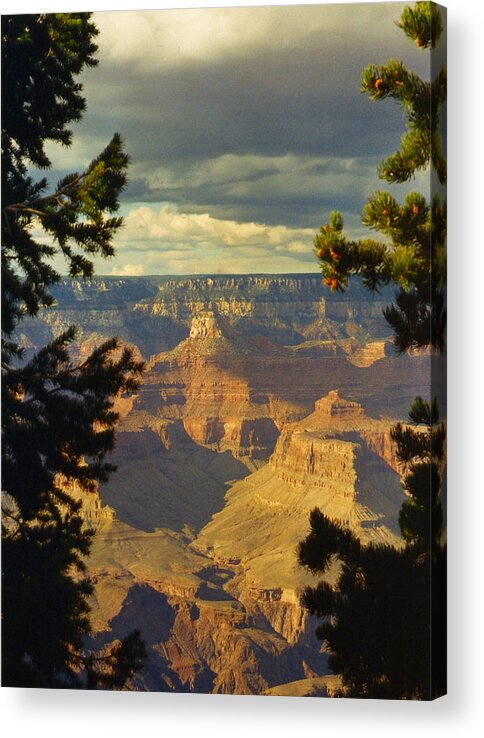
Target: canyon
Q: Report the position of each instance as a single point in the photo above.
(155, 313)
(264, 396)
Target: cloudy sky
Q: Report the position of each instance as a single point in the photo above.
(245, 128)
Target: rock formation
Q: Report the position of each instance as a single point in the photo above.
(265, 396)
(220, 609)
(205, 325)
(235, 393)
(327, 460)
(155, 313)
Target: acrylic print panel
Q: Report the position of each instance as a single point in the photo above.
(228, 478)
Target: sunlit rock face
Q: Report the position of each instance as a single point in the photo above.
(205, 325)
(235, 392)
(333, 406)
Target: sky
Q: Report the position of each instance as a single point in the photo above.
(245, 128)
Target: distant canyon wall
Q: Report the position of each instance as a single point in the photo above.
(155, 313)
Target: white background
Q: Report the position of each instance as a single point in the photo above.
(461, 713)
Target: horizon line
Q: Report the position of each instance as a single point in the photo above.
(191, 275)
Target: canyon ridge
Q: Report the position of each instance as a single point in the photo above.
(264, 396)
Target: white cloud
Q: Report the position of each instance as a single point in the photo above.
(240, 173)
(171, 229)
(128, 270)
(172, 37)
(162, 240)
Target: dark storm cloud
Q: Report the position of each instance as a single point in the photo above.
(294, 192)
(255, 101)
(303, 100)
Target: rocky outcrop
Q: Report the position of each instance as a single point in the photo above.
(232, 381)
(235, 393)
(303, 458)
(156, 313)
(204, 382)
(221, 611)
(329, 460)
(334, 407)
(288, 307)
(94, 511)
(369, 354)
(205, 325)
(382, 444)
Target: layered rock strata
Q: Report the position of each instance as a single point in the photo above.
(199, 637)
(220, 610)
(155, 313)
(335, 460)
(236, 433)
(235, 393)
